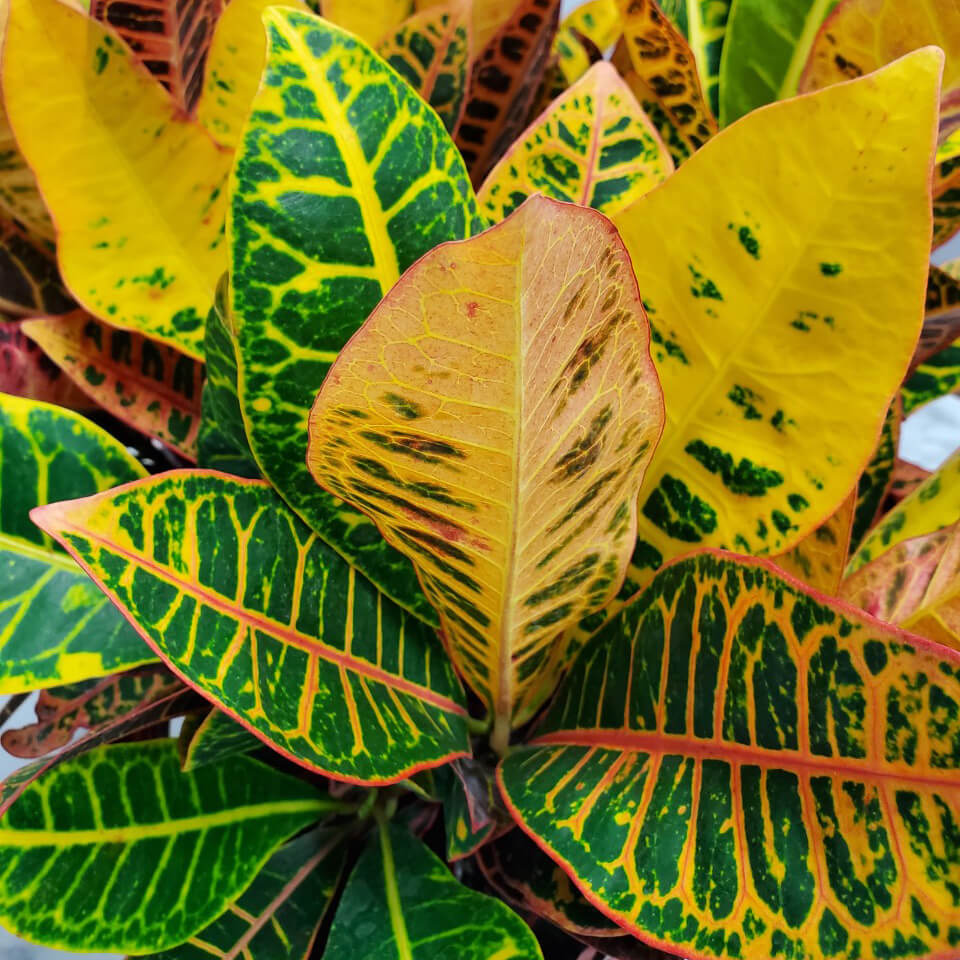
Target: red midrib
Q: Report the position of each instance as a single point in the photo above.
(636, 741)
(309, 644)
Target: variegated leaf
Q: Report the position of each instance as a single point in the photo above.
(251, 608)
(472, 812)
(55, 626)
(402, 903)
(26, 371)
(593, 146)
(431, 51)
(766, 47)
(137, 191)
(345, 177)
(504, 83)
(277, 917)
(29, 279)
(495, 416)
(946, 191)
(571, 56)
(877, 477)
(217, 736)
(933, 505)
(907, 477)
(118, 850)
(143, 382)
(370, 20)
(170, 39)
(819, 559)
(759, 309)
(737, 767)
(597, 20)
(666, 69)
(941, 320)
(90, 705)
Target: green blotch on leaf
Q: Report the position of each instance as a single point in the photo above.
(831, 269)
(745, 477)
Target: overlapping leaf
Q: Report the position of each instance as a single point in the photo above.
(666, 68)
(495, 416)
(217, 736)
(55, 626)
(594, 146)
(143, 382)
(278, 915)
(877, 478)
(29, 279)
(26, 371)
(764, 291)
(504, 83)
(941, 321)
(571, 56)
(371, 20)
(136, 190)
(345, 177)
(118, 850)
(766, 48)
(431, 51)
(90, 704)
(820, 557)
(170, 39)
(933, 505)
(234, 65)
(946, 191)
(596, 20)
(249, 606)
(401, 903)
(907, 477)
(472, 813)
(736, 767)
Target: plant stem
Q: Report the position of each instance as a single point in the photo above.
(500, 738)
(479, 727)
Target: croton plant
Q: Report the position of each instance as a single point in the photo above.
(449, 494)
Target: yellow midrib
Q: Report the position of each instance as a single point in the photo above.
(19, 839)
(400, 936)
(34, 551)
(791, 79)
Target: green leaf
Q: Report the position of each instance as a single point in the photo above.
(248, 605)
(738, 767)
(118, 850)
(874, 483)
(471, 809)
(765, 50)
(55, 626)
(343, 179)
(278, 915)
(217, 736)
(401, 903)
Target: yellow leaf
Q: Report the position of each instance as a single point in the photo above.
(136, 192)
(370, 20)
(494, 416)
(783, 268)
(593, 146)
(238, 52)
(597, 20)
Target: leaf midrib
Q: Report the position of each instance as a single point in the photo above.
(19, 839)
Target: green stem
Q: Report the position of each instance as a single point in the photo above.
(500, 738)
(479, 727)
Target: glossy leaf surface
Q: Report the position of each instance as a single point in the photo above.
(739, 767)
(766, 291)
(343, 180)
(766, 47)
(170, 39)
(818, 560)
(277, 916)
(55, 626)
(218, 736)
(29, 279)
(92, 860)
(933, 505)
(593, 146)
(26, 371)
(431, 51)
(100, 134)
(503, 87)
(667, 69)
(143, 382)
(495, 416)
(401, 903)
(62, 711)
(249, 606)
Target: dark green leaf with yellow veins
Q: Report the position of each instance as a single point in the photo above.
(217, 736)
(402, 903)
(935, 377)
(431, 51)
(343, 179)
(277, 916)
(118, 850)
(55, 626)
(739, 767)
(248, 605)
(877, 477)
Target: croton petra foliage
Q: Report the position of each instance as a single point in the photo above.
(450, 503)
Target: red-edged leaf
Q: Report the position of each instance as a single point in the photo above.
(29, 278)
(26, 371)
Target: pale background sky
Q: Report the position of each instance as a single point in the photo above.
(929, 437)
